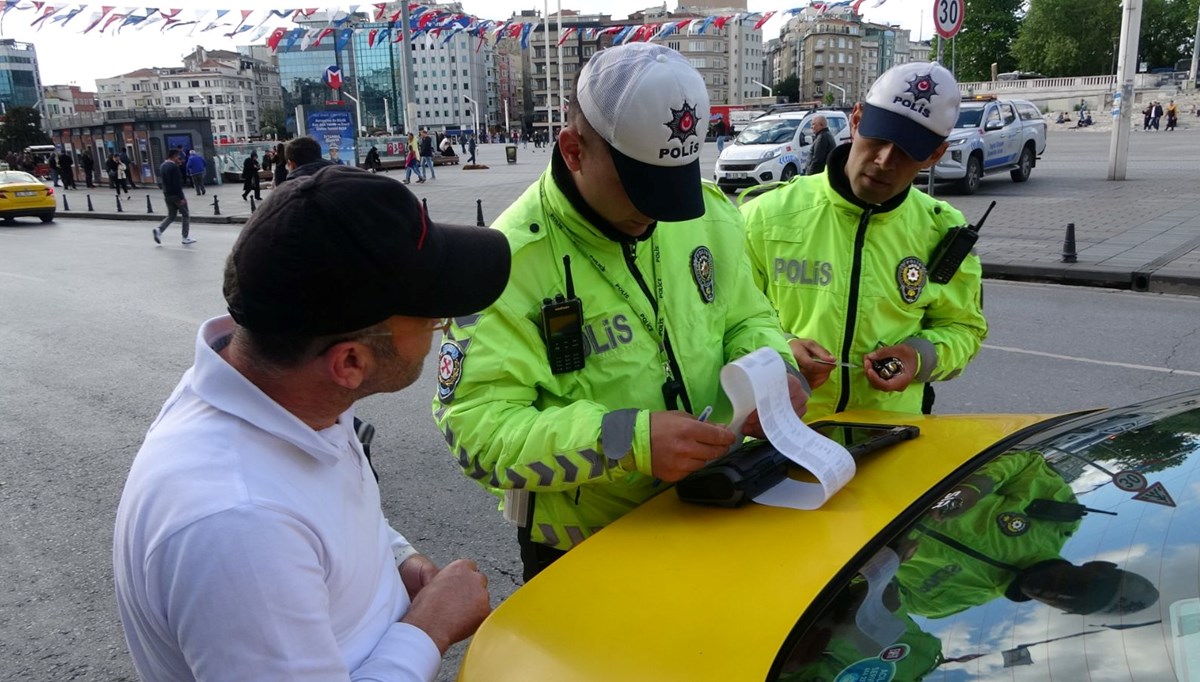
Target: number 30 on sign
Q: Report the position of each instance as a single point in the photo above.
(947, 17)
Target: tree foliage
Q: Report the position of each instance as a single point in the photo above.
(988, 32)
(789, 87)
(22, 128)
(273, 122)
(1168, 28)
(1080, 38)
(1068, 37)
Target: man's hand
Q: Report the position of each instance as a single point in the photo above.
(753, 427)
(907, 356)
(805, 350)
(450, 608)
(416, 572)
(680, 444)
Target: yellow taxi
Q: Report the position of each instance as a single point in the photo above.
(21, 194)
(987, 547)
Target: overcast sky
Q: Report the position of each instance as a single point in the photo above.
(67, 56)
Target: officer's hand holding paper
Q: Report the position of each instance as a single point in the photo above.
(759, 381)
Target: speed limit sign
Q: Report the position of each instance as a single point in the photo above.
(947, 17)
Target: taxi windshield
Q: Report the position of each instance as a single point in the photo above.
(1069, 555)
(12, 177)
(776, 131)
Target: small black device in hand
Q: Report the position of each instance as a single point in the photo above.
(562, 328)
(954, 248)
(888, 368)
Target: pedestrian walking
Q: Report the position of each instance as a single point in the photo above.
(66, 170)
(280, 172)
(426, 147)
(196, 168)
(116, 174)
(412, 161)
(171, 174)
(89, 168)
(719, 131)
(372, 162)
(471, 148)
(52, 164)
(128, 172)
(1156, 115)
(1146, 114)
(250, 178)
(1172, 115)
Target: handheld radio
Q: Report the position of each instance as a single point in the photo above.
(954, 247)
(562, 328)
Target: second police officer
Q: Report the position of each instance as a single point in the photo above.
(845, 256)
(580, 388)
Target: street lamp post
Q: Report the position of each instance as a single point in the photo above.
(475, 109)
(840, 89)
(764, 86)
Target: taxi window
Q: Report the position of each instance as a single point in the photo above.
(1072, 555)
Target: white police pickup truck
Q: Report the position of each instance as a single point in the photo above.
(774, 147)
(992, 135)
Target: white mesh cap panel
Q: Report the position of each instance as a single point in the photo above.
(647, 102)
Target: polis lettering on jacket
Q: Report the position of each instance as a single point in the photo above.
(804, 271)
(607, 335)
(681, 152)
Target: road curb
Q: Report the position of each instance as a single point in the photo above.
(1090, 275)
(108, 215)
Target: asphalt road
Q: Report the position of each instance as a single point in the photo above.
(98, 325)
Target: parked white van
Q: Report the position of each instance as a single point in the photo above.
(774, 147)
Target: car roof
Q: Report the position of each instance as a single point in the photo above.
(719, 590)
(798, 114)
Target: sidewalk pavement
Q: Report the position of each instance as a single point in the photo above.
(1142, 233)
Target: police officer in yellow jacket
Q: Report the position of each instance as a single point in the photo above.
(630, 290)
(844, 256)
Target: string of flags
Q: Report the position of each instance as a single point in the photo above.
(431, 23)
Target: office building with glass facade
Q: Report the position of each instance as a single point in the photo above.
(20, 83)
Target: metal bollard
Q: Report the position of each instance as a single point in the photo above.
(90, 208)
(119, 209)
(479, 213)
(1068, 252)
(216, 205)
(149, 208)
(425, 206)
(253, 208)
(66, 205)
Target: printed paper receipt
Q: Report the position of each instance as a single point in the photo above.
(759, 381)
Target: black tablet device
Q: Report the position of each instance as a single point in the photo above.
(736, 478)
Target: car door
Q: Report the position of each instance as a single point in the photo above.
(1012, 133)
(994, 137)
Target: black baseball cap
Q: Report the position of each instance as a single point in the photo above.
(343, 249)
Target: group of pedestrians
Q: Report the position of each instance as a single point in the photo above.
(1153, 114)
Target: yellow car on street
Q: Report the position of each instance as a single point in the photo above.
(21, 195)
(987, 547)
